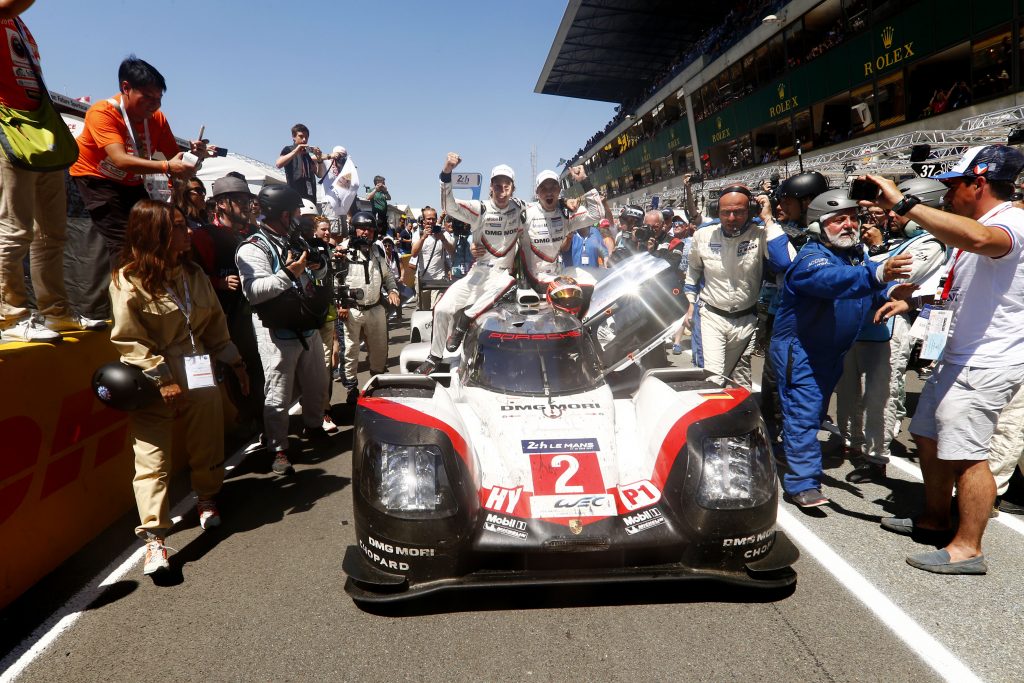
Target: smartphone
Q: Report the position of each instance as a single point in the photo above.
(220, 152)
(863, 190)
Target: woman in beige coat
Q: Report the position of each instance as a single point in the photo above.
(167, 317)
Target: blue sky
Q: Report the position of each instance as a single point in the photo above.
(397, 82)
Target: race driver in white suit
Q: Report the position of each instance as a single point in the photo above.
(496, 224)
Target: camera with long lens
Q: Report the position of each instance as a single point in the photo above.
(345, 296)
(642, 233)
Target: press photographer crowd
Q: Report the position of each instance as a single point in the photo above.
(841, 290)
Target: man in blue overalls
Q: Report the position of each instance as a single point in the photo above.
(828, 294)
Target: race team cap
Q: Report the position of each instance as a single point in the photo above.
(605, 223)
(545, 175)
(230, 184)
(992, 162)
(505, 170)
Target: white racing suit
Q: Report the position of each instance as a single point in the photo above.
(731, 269)
(287, 355)
(871, 392)
(367, 272)
(497, 230)
(543, 237)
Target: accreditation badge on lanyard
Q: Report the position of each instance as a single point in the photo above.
(155, 183)
(936, 328)
(198, 368)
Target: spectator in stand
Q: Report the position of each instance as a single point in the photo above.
(166, 314)
(125, 149)
(982, 363)
(33, 208)
(303, 164)
(379, 198)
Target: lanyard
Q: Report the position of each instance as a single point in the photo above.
(944, 296)
(185, 308)
(131, 132)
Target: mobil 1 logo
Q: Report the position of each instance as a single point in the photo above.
(506, 526)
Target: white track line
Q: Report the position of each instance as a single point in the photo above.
(931, 651)
(913, 470)
(18, 659)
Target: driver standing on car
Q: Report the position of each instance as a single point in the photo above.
(496, 224)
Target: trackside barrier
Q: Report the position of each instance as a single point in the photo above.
(66, 462)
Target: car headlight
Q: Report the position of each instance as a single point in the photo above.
(738, 472)
(408, 479)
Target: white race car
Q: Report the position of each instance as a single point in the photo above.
(531, 462)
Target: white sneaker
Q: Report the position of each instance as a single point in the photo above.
(156, 556)
(74, 323)
(209, 517)
(329, 425)
(29, 329)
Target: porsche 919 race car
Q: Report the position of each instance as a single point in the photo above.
(533, 462)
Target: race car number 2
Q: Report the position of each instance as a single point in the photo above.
(566, 473)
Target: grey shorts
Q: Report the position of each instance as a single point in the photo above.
(960, 406)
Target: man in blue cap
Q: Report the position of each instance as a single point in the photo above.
(982, 364)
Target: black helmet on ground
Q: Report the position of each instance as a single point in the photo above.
(276, 199)
(124, 387)
(803, 185)
(363, 220)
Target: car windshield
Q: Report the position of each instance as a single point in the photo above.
(527, 364)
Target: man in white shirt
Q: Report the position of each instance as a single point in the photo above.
(983, 361)
(432, 253)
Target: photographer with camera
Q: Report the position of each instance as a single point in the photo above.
(432, 253)
(629, 218)
(458, 234)
(278, 270)
(379, 198)
(361, 303)
(303, 164)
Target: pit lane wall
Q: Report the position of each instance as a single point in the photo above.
(66, 462)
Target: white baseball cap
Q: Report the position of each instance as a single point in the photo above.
(308, 208)
(545, 175)
(339, 150)
(505, 170)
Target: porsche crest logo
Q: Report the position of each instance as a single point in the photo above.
(576, 526)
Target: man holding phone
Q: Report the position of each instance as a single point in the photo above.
(302, 163)
(982, 363)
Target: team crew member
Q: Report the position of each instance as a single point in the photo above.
(368, 272)
(729, 259)
(982, 364)
(495, 225)
(279, 282)
(828, 293)
(550, 227)
(167, 321)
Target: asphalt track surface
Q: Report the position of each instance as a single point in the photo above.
(261, 598)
